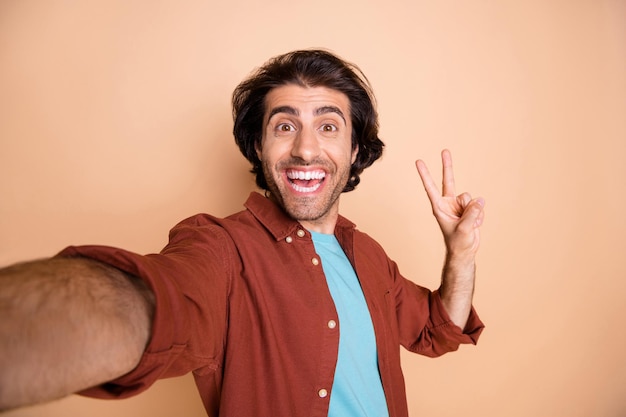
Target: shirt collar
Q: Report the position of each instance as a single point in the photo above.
(277, 222)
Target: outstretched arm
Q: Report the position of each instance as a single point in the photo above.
(459, 217)
(67, 324)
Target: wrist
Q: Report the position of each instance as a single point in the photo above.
(462, 258)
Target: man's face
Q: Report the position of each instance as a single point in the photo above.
(306, 152)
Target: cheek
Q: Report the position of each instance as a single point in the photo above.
(269, 151)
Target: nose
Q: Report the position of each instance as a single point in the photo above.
(306, 146)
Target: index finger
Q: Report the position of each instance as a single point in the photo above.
(427, 180)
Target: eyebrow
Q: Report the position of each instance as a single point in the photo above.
(318, 112)
(283, 109)
(330, 109)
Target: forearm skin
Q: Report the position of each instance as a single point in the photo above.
(457, 287)
(67, 324)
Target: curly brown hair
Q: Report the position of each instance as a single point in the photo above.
(307, 68)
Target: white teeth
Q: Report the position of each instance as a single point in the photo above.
(306, 175)
(306, 189)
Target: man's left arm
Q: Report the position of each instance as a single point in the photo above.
(459, 217)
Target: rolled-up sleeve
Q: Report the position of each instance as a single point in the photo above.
(425, 326)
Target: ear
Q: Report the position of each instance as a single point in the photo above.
(355, 152)
(257, 148)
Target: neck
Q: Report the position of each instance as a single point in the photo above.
(325, 226)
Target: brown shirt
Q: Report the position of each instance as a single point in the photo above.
(242, 302)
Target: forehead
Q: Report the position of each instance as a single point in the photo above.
(306, 99)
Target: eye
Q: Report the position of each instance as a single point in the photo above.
(328, 128)
(285, 128)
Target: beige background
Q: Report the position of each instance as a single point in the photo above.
(115, 124)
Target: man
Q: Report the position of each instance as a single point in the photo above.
(283, 309)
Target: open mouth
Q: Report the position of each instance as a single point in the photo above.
(305, 181)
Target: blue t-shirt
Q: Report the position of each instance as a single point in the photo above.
(357, 389)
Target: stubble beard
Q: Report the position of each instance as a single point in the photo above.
(305, 208)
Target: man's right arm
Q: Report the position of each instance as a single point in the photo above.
(67, 324)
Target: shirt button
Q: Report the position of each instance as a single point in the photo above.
(332, 324)
(301, 233)
(322, 393)
(288, 239)
(315, 261)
